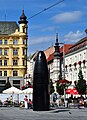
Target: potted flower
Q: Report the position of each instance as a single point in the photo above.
(79, 62)
(75, 64)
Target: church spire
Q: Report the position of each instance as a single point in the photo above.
(57, 48)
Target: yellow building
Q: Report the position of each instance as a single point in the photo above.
(13, 52)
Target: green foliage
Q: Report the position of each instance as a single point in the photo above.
(80, 76)
(81, 83)
(60, 88)
(51, 87)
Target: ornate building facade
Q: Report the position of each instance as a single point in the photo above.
(13, 52)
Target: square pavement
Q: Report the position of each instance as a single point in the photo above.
(15, 113)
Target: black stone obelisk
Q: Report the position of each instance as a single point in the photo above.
(41, 93)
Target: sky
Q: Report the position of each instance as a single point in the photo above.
(68, 19)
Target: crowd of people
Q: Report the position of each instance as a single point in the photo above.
(78, 102)
(9, 102)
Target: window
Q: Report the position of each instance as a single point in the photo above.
(23, 29)
(0, 62)
(15, 52)
(5, 62)
(23, 62)
(16, 81)
(15, 73)
(24, 51)
(24, 41)
(5, 73)
(0, 73)
(5, 42)
(0, 51)
(15, 62)
(2, 81)
(0, 42)
(15, 42)
(5, 51)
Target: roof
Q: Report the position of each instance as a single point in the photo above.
(49, 51)
(66, 48)
(81, 43)
(7, 27)
(23, 18)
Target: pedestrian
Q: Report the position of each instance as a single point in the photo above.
(26, 101)
(11, 100)
(30, 104)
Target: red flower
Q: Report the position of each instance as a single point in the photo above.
(23, 87)
(75, 64)
(79, 62)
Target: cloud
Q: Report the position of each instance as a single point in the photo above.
(73, 37)
(50, 28)
(67, 17)
(42, 39)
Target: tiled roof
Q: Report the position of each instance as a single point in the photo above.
(50, 58)
(66, 47)
(7, 27)
(78, 45)
(49, 51)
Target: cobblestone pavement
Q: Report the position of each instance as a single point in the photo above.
(28, 114)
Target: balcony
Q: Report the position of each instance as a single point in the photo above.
(15, 57)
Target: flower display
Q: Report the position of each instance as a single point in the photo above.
(75, 64)
(79, 62)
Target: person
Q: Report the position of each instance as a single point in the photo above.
(7, 102)
(26, 101)
(11, 100)
(30, 104)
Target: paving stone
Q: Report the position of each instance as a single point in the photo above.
(13, 113)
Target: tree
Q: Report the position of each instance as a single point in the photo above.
(7, 85)
(51, 87)
(81, 83)
(60, 88)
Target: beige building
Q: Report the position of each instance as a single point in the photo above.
(13, 52)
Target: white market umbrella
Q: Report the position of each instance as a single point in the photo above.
(28, 91)
(12, 90)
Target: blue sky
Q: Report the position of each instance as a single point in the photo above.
(68, 18)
